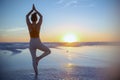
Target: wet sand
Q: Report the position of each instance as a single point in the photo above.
(67, 73)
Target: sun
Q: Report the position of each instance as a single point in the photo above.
(70, 38)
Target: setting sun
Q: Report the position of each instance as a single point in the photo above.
(70, 38)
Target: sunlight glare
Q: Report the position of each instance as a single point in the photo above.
(70, 38)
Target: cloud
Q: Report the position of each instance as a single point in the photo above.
(76, 3)
(12, 29)
(71, 3)
(60, 1)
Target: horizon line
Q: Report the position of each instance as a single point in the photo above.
(69, 42)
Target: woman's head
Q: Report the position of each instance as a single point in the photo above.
(34, 17)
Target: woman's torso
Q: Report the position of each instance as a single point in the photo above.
(34, 31)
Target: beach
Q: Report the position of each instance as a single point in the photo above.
(74, 73)
(64, 63)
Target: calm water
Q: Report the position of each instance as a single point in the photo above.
(90, 56)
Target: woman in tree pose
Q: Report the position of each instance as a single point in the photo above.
(34, 27)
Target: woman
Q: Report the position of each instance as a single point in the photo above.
(35, 42)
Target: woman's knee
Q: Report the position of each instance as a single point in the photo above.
(48, 51)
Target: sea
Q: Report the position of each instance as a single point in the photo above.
(16, 55)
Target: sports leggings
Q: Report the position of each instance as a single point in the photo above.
(35, 44)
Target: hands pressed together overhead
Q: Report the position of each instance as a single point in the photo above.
(33, 8)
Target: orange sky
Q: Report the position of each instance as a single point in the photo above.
(89, 20)
(59, 38)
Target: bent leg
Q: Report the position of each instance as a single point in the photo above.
(33, 54)
(46, 52)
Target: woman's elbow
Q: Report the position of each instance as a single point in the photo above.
(41, 16)
(27, 16)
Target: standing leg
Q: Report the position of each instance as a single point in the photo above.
(33, 54)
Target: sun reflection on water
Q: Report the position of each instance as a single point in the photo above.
(69, 64)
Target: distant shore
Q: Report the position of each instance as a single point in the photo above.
(14, 46)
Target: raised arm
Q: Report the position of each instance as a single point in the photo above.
(27, 17)
(40, 19)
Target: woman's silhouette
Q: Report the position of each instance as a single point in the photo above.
(34, 27)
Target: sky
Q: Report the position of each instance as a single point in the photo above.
(89, 20)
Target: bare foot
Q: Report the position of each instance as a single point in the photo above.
(36, 76)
